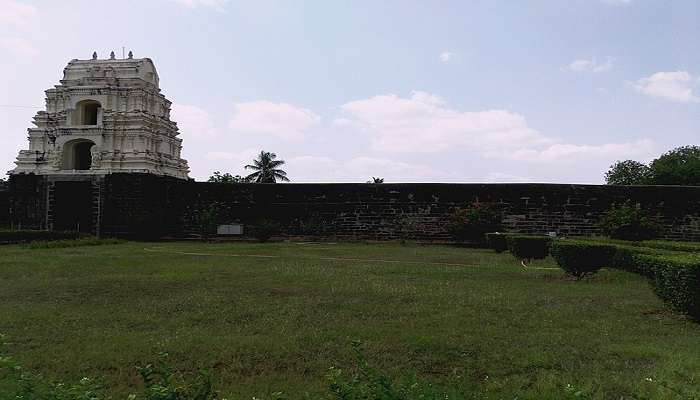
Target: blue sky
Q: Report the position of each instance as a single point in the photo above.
(444, 91)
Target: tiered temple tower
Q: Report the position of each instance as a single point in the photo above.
(105, 116)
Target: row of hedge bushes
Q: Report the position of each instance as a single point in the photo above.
(672, 268)
(25, 236)
(674, 275)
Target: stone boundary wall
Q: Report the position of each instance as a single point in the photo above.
(4, 207)
(134, 203)
(27, 202)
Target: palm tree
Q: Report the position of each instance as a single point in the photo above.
(265, 167)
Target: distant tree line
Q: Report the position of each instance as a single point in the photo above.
(680, 166)
(266, 169)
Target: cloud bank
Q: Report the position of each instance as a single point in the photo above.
(677, 86)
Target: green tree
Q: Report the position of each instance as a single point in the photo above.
(266, 169)
(628, 172)
(680, 166)
(218, 177)
(474, 221)
(629, 221)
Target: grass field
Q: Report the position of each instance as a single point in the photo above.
(275, 317)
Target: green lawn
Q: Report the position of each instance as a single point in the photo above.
(469, 321)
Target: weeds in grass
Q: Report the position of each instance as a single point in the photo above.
(162, 382)
(368, 383)
(55, 244)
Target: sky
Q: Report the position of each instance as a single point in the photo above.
(410, 91)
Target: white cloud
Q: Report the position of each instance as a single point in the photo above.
(282, 120)
(231, 162)
(445, 56)
(358, 169)
(342, 122)
(572, 153)
(216, 4)
(192, 121)
(618, 2)
(499, 177)
(676, 86)
(422, 123)
(592, 65)
(16, 13)
(18, 46)
(236, 159)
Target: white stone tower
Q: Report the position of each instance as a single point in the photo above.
(105, 116)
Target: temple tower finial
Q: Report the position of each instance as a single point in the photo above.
(94, 55)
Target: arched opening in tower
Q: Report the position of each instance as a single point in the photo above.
(77, 155)
(86, 112)
(82, 156)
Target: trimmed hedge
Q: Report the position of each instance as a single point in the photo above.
(674, 275)
(675, 279)
(497, 241)
(529, 247)
(673, 246)
(25, 236)
(580, 258)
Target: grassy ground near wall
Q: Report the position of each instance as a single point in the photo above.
(274, 317)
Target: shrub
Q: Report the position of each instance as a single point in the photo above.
(25, 236)
(528, 247)
(628, 222)
(205, 219)
(264, 229)
(473, 222)
(581, 258)
(624, 259)
(497, 241)
(675, 279)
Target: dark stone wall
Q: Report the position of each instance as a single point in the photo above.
(134, 203)
(140, 205)
(148, 206)
(4, 206)
(27, 200)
